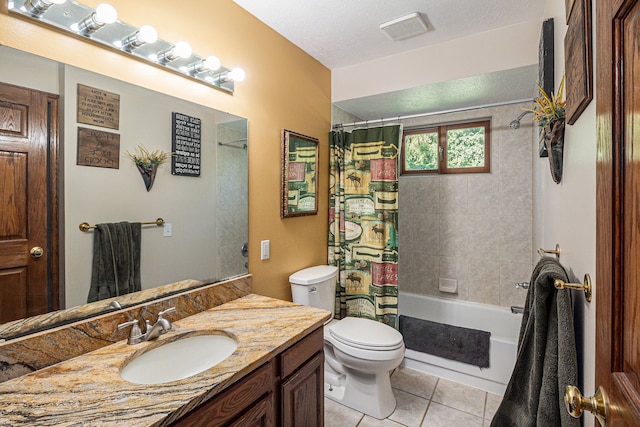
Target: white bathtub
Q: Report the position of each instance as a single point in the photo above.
(503, 325)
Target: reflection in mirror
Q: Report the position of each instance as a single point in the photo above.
(207, 213)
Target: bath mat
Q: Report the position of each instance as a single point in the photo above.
(464, 345)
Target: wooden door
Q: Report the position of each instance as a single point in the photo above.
(28, 203)
(618, 208)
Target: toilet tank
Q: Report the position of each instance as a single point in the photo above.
(315, 287)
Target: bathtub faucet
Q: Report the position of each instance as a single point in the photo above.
(517, 310)
(523, 285)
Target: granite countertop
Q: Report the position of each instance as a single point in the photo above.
(88, 390)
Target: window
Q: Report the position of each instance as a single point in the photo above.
(459, 148)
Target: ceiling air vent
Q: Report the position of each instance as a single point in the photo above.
(407, 26)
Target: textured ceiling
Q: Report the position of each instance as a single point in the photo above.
(341, 33)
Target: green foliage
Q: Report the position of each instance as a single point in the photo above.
(421, 151)
(465, 148)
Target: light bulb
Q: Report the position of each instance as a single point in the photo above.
(182, 50)
(147, 34)
(212, 63)
(105, 14)
(237, 74)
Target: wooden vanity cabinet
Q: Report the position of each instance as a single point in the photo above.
(286, 391)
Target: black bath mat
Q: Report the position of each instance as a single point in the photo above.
(451, 342)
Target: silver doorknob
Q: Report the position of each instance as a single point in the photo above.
(36, 252)
(598, 405)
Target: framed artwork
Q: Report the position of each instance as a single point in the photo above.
(299, 175)
(546, 65)
(578, 60)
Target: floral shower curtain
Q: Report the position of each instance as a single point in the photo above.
(363, 221)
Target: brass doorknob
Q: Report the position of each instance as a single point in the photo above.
(598, 405)
(36, 252)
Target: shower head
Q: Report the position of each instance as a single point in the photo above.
(515, 124)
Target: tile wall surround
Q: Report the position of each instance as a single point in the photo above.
(30, 353)
(232, 215)
(475, 228)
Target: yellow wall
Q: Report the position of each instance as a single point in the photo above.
(284, 88)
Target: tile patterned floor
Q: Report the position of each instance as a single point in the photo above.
(423, 400)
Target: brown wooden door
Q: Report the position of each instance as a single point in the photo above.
(28, 203)
(618, 208)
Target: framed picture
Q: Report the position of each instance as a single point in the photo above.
(578, 60)
(299, 175)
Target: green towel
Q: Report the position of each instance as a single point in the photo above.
(116, 260)
(546, 362)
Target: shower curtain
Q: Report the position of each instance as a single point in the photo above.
(363, 221)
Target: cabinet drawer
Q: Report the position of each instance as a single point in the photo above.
(293, 358)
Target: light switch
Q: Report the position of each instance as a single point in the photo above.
(265, 249)
(166, 231)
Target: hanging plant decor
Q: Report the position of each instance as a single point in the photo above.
(147, 163)
(549, 112)
(554, 141)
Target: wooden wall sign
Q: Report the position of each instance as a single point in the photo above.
(578, 60)
(546, 66)
(185, 144)
(99, 149)
(98, 107)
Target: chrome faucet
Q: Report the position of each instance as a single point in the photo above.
(152, 332)
(161, 326)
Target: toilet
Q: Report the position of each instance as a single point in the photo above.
(359, 353)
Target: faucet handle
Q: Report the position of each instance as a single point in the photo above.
(163, 312)
(135, 333)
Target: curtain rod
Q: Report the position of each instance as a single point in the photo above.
(416, 116)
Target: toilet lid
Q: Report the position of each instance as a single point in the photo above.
(365, 333)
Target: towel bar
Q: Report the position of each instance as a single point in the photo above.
(84, 227)
(586, 286)
(555, 251)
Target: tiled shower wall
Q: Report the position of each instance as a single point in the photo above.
(474, 228)
(232, 217)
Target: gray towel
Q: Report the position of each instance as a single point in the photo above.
(116, 260)
(546, 362)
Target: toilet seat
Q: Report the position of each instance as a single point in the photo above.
(365, 334)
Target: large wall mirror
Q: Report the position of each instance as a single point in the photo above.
(208, 213)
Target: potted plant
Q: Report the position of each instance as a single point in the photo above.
(147, 163)
(549, 112)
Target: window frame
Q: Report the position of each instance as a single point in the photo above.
(442, 148)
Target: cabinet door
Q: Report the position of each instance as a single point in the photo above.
(303, 395)
(237, 400)
(260, 415)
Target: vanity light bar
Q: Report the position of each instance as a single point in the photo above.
(102, 26)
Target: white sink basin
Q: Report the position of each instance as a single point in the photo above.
(179, 359)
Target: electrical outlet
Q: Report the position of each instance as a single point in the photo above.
(265, 249)
(167, 231)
